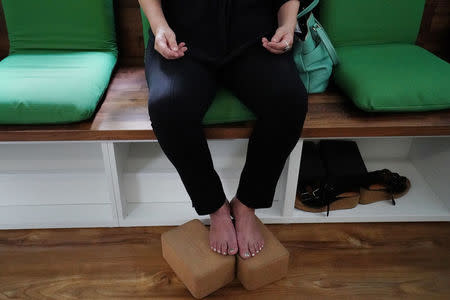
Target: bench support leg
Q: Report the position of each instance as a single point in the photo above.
(116, 154)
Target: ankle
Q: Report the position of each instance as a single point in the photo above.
(223, 211)
(240, 209)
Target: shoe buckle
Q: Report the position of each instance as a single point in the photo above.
(314, 193)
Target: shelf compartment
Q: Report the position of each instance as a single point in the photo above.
(423, 202)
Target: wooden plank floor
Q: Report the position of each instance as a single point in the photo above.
(382, 260)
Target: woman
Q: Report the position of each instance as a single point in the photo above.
(243, 45)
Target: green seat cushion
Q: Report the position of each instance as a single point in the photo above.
(48, 86)
(393, 77)
(225, 108)
(363, 22)
(67, 24)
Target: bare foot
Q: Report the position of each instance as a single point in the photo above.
(249, 237)
(222, 236)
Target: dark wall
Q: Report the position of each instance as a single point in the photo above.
(4, 43)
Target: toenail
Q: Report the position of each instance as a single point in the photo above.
(253, 254)
(214, 249)
(257, 251)
(246, 254)
(224, 253)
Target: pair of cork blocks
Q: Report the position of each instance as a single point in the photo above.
(186, 249)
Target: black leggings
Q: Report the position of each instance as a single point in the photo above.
(181, 92)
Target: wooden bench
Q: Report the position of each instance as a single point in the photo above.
(113, 164)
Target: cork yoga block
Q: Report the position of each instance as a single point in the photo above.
(186, 250)
(269, 265)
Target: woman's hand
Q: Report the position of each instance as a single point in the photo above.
(166, 43)
(165, 40)
(284, 37)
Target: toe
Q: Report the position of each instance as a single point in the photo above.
(219, 247)
(252, 248)
(261, 245)
(244, 252)
(215, 247)
(232, 248)
(255, 246)
(224, 249)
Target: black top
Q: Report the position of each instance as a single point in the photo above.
(216, 30)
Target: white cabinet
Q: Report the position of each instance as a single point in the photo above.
(132, 183)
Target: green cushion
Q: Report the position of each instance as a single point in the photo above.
(225, 108)
(393, 77)
(52, 24)
(48, 87)
(363, 22)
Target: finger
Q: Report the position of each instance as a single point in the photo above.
(278, 36)
(161, 47)
(181, 49)
(265, 42)
(172, 41)
(169, 54)
(275, 51)
(281, 45)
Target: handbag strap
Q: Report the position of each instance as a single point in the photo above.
(308, 9)
(326, 42)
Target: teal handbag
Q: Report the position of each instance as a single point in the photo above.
(315, 55)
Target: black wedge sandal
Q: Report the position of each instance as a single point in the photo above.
(312, 173)
(319, 189)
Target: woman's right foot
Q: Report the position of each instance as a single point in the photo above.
(222, 235)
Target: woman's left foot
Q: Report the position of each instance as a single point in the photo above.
(249, 237)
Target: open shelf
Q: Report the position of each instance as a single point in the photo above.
(54, 185)
(152, 191)
(419, 204)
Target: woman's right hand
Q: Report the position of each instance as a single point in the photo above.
(166, 43)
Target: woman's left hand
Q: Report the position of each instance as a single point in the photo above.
(284, 37)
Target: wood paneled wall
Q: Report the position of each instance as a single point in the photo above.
(434, 33)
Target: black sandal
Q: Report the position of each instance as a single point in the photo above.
(312, 173)
(327, 197)
(383, 185)
(319, 189)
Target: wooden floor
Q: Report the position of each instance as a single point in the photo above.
(410, 260)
